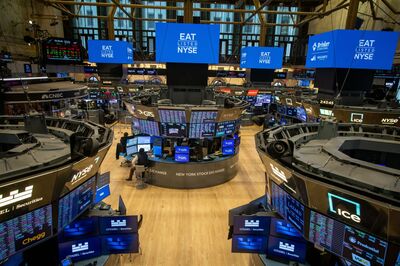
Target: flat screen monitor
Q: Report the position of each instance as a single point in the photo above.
(200, 117)
(203, 130)
(249, 244)
(304, 83)
(79, 228)
(75, 203)
(149, 127)
(225, 128)
(132, 149)
(103, 179)
(173, 130)
(120, 244)
(287, 249)
(282, 228)
(263, 99)
(102, 193)
(118, 224)
(301, 114)
(157, 151)
(182, 149)
(228, 151)
(80, 249)
(181, 157)
(281, 109)
(251, 225)
(146, 147)
(110, 52)
(121, 206)
(35, 225)
(291, 111)
(175, 116)
(144, 140)
(228, 143)
(131, 141)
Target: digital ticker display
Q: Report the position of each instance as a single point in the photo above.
(173, 130)
(172, 116)
(75, 202)
(149, 127)
(225, 128)
(119, 244)
(249, 243)
(25, 230)
(203, 117)
(288, 207)
(58, 50)
(80, 249)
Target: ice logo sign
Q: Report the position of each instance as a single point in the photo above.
(187, 43)
(107, 51)
(265, 58)
(365, 50)
(343, 207)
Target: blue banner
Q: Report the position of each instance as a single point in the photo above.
(352, 49)
(187, 43)
(261, 57)
(112, 52)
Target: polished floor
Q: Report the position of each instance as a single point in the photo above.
(187, 227)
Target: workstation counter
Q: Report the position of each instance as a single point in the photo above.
(170, 174)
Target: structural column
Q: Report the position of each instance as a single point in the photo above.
(188, 11)
(352, 14)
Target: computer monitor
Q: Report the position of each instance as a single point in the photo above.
(157, 151)
(144, 140)
(228, 142)
(119, 244)
(121, 206)
(131, 141)
(181, 149)
(102, 193)
(229, 150)
(132, 149)
(146, 147)
(182, 157)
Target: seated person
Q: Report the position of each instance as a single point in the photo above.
(121, 146)
(140, 159)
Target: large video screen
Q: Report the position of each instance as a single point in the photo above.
(187, 43)
(111, 52)
(149, 127)
(62, 51)
(199, 117)
(288, 207)
(352, 49)
(172, 116)
(173, 130)
(75, 202)
(263, 99)
(261, 57)
(204, 130)
(25, 230)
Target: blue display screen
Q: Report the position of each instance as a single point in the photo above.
(352, 49)
(187, 43)
(261, 57)
(263, 99)
(281, 228)
(251, 225)
(149, 127)
(228, 150)
(172, 116)
(249, 244)
(80, 228)
(287, 249)
(201, 130)
(182, 157)
(144, 140)
(118, 224)
(102, 193)
(228, 142)
(131, 141)
(157, 151)
(119, 244)
(112, 52)
(301, 114)
(173, 130)
(131, 150)
(225, 128)
(181, 149)
(80, 249)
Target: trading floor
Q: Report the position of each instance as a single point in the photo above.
(187, 226)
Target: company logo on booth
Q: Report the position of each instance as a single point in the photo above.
(16, 196)
(356, 117)
(187, 43)
(365, 50)
(345, 208)
(286, 246)
(80, 247)
(276, 171)
(52, 96)
(118, 223)
(389, 121)
(251, 223)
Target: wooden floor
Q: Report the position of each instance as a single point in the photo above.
(187, 227)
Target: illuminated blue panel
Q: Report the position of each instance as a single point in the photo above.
(112, 52)
(261, 57)
(187, 43)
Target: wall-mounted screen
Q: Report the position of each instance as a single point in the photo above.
(172, 116)
(75, 202)
(111, 52)
(261, 57)
(102, 193)
(62, 51)
(249, 244)
(25, 230)
(149, 127)
(187, 43)
(173, 130)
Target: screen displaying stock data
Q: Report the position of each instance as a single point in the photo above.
(172, 116)
(149, 127)
(25, 230)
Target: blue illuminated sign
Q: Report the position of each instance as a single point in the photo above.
(344, 207)
(187, 43)
(182, 149)
(261, 57)
(112, 52)
(352, 49)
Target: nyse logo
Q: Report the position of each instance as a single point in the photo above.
(16, 196)
(356, 117)
(265, 58)
(278, 172)
(286, 246)
(251, 223)
(145, 113)
(81, 174)
(389, 121)
(107, 51)
(118, 223)
(52, 96)
(344, 207)
(187, 43)
(80, 247)
(365, 50)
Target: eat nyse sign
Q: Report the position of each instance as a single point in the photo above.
(187, 43)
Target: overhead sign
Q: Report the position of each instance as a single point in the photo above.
(261, 57)
(112, 52)
(352, 49)
(187, 43)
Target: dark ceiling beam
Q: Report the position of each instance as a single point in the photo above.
(391, 7)
(341, 5)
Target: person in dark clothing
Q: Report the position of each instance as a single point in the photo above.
(121, 146)
(140, 159)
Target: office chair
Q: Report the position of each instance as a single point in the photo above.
(139, 173)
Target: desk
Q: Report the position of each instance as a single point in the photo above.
(170, 174)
